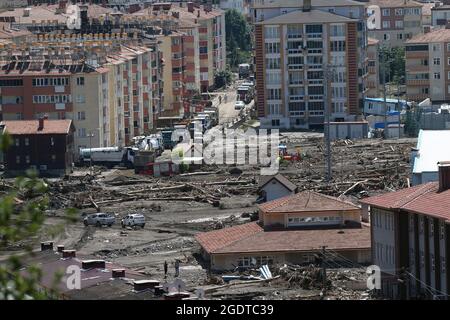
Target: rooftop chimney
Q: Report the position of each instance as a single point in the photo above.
(190, 6)
(69, 253)
(176, 14)
(46, 246)
(93, 264)
(118, 273)
(41, 124)
(306, 5)
(140, 285)
(444, 175)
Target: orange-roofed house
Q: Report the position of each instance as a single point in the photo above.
(44, 145)
(411, 239)
(292, 229)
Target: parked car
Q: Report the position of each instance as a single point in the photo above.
(132, 220)
(99, 219)
(239, 105)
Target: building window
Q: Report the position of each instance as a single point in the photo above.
(54, 157)
(442, 230)
(436, 47)
(386, 36)
(80, 81)
(400, 36)
(425, 90)
(17, 159)
(386, 12)
(17, 142)
(81, 115)
(27, 159)
(386, 24)
(275, 122)
(81, 132)
(27, 141)
(437, 75)
(399, 24)
(436, 61)
(398, 12)
(52, 141)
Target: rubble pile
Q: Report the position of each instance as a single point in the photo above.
(305, 277)
(359, 168)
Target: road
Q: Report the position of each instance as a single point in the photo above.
(227, 113)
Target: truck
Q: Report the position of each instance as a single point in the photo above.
(109, 157)
(172, 136)
(244, 70)
(245, 93)
(129, 157)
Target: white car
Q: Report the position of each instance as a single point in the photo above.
(239, 105)
(99, 219)
(132, 220)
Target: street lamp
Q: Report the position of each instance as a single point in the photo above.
(91, 135)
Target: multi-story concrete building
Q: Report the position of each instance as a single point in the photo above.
(104, 88)
(394, 21)
(304, 54)
(261, 10)
(428, 66)
(373, 78)
(440, 14)
(411, 239)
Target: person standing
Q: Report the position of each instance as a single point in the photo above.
(177, 268)
(165, 269)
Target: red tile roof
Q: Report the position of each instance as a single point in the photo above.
(423, 199)
(251, 238)
(307, 201)
(214, 240)
(17, 127)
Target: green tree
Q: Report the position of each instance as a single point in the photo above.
(238, 37)
(223, 78)
(395, 64)
(22, 208)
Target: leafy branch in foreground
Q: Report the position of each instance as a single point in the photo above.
(22, 215)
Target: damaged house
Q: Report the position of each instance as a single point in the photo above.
(292, 229)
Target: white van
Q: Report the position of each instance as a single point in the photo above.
(134, 219)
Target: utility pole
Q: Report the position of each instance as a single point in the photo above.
(328, 73)
(324, 271)
(383, 76)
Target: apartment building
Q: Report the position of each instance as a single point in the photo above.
(373, 80)
(296, 52)
(394, 21)
(411, 239)
(104, 88)
(440, 14)
(428, 66)
(261, 10)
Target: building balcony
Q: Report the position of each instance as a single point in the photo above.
(295, 67)
(295, 83)
(296, 36)
(295, 51)
(314, 35)
(296, 113)
(316, 97)
(418, 68)
(423, 82)
(295, 98)
(317, 82)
